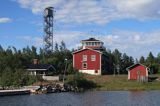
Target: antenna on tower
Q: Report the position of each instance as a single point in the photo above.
(48, 30)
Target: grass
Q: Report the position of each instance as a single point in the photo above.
(120, 82)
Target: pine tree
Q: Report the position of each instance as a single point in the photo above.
(142, 60)
(150, 59)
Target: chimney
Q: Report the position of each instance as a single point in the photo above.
(35, 61)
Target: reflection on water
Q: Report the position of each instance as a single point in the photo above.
(98, 98)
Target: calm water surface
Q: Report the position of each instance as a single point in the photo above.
(98, 98)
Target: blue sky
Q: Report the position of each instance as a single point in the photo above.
(132, 26)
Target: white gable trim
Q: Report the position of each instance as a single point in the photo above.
(86, 49)
(136, 64)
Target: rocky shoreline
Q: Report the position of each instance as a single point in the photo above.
(41, 89)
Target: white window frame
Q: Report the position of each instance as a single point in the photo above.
(92, 43)
(84, 57)
(83, 64)
(93, 57)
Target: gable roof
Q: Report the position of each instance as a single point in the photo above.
(86, 49)
(42, 67)
(91, 39)
(134, 65)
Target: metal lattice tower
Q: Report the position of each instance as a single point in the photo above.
(48, 30)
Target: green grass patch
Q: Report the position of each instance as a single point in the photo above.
(120, 82)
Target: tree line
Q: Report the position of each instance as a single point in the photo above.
(120, 61)
(13, 62)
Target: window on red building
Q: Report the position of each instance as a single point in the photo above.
(84, 65)
(93, 57)
(84, 57)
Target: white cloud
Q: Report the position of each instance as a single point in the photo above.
(71, 38)
(96, 11)
(135, 44)
(36, 41)
(5, 20)
(101, 12)
(138, 9)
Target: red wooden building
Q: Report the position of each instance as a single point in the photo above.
(87, 61)
(137, 71)
(90, 58)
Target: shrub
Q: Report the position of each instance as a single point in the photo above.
(78, 81)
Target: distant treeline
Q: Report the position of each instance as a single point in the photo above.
(122, 61)
(14, 59)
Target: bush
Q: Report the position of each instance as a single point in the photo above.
(78, 81)
(30, 79)
(71, 70)
(17, 78)
(7, 78)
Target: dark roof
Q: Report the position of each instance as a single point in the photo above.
(131, 67)
(91, 39)
(39, 66)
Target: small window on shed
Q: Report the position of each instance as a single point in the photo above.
(93, 57)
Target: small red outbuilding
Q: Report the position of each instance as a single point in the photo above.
(137, 71)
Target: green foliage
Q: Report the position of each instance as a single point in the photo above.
(126, 62)
(62, 46)
(79, 81)
(30, 79)
(158, 58)
(150, 59)
(7, 78)
(71, 69)
(117, 56)
(17, 78)
(120, 83)
(153, 63)
(13, 63)
(121, 60)
(142, 60)
(18, 59)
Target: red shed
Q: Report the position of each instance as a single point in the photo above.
(137, 71)
(87, 61)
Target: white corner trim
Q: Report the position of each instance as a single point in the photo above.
(128, 75)
(73, 60)
(147, 72)
(100, 71)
